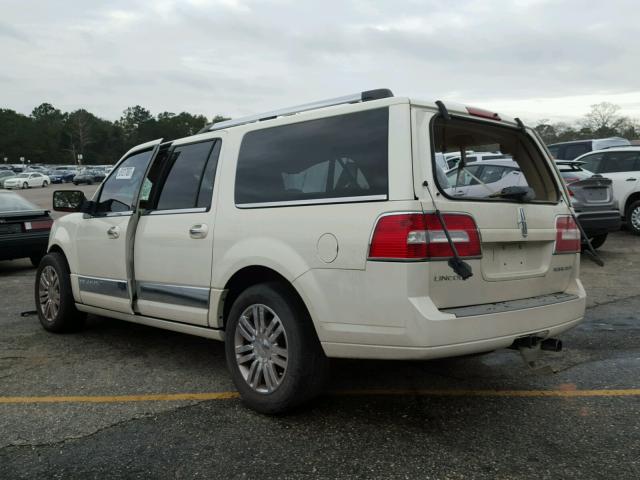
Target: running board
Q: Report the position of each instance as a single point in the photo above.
(155, 322)
(500, 307)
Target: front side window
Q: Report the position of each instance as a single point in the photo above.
(120, 189)
(521, 155)
(337, 158)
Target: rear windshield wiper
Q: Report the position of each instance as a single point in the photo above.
(521, 194)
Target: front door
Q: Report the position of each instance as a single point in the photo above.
(103, 237)
(173, 244)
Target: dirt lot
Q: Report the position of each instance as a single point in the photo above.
(126, 400)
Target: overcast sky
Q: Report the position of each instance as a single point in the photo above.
(532, 58)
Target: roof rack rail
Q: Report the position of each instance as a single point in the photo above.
(365, 96)
(618, 146)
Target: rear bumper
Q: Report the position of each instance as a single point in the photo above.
(23, 245)
(599, 223)
(344, 350)
(367, 315)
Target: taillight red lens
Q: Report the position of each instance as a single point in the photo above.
(463, 231)
(480, 112)
(567, 235)
(416, 236)
(38, 225)
(391, 237)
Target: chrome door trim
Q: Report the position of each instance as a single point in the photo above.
(197, 297)
(315, 201)
(178, 210)
(103, 286)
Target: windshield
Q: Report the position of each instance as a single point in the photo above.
(524, 165)
(23, 175)
(12, 202)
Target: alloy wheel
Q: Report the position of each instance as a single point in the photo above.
(261, 348)
(49, 293)
(635, 218)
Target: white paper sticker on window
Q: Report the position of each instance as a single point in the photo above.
(125, 173)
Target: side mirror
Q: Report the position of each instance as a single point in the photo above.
(69, 201)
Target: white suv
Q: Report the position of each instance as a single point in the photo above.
(322, 231)
(622, 166)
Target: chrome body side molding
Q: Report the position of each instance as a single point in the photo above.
(103, 286)
(197, 297)
(155, 322)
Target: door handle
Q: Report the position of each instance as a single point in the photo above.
(113, 232)
(631, 179)
(199, 230)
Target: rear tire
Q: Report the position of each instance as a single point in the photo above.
(274, 372)
(598, 240)
(633, 217)
(35, 260)
(25, 185)
(44, 184)
(54, 298)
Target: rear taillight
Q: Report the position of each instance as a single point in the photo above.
(38, 225)
(567, 235)
(480, 112)
(417, 236)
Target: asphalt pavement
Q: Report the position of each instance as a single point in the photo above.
(125, 400)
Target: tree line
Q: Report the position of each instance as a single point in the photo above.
(49, 135)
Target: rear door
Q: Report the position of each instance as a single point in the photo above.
(517, 237)
(174, 239)
(623, 170)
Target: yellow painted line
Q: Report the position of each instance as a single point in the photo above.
(180, 397)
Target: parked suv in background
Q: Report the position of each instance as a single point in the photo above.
(321, 231)
(622, 166)
(572, 150)
(592, 199)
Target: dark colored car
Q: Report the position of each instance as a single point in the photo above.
(88, 177)
(24, 228)
(593, 201)
(62, 176)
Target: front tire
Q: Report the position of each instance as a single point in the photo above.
(633, 218)
(54, 298)
(25, 185)
(272, 350)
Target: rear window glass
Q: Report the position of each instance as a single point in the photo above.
(334, 158)
(526, 168)
(11, 202)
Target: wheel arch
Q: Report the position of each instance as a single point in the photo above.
(634, 197)
(253, 275)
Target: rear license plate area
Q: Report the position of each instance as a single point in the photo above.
(595, 194)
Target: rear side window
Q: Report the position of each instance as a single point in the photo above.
(613, 162)
(575, 150)
(461, 135)
(330, 159)
(186, 170)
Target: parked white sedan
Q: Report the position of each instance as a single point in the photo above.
(27, 180)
